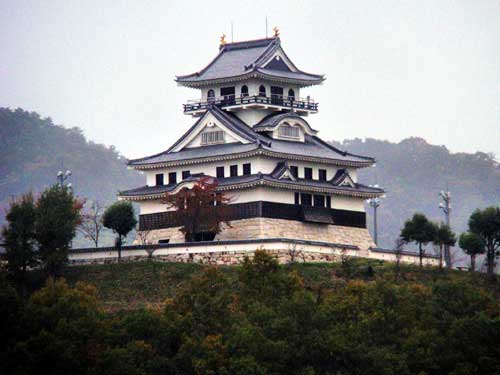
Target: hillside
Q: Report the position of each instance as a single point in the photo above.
(358, 316)
(34, 149)
(414, 171)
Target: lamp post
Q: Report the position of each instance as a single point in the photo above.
(63, 176)
(446, 208)
(375, 203)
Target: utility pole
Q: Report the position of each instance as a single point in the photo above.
(375, 203)
(63, 176)
(446, 208)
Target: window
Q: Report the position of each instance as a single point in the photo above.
(276, 95)
(165, 240)
(220, 172)
(228, 93)
(210, 137)
(233, 170)
(287, 130)
(306, 199)
(319, 200)
(159, 179)
(262, 90)
(172, 178)
(291, 95)
(308, 173)
(244, 90)
(322, 174)
(328, 201)
(295, 171)
(211, 96)
(297, 198)
(247, 169)
(185, 174)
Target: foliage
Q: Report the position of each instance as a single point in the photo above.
(120, 217)
(486, 224)
(19, 236)
(259, 318)
(57, 215)
(199, 209)
(472, 245)
(443, 236)
(420, 230)
(414, 171)
(34, 149)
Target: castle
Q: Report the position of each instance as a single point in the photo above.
(251, 132)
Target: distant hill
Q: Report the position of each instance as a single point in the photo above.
(33, 150)
(414, 171)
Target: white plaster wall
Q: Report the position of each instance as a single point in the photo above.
(348, 203)
(258, 164)
(263, 194)
(152, 206)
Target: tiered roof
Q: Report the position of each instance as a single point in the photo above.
(312, 149)
(250, 59)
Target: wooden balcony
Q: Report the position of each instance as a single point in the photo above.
(302, 106)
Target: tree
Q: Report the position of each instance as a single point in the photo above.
(399, 245)
(200, 210)
(486, 224)
(443, 235)
(472, 245)
(19, 236)
(56, 219)
(91, 223)
(120, 217)
(420, 230)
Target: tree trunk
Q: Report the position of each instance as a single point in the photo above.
(473, 262)
(491, 260)
(420, 254)
(441, 256)
(119, 248)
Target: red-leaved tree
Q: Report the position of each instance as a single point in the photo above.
(201, 210)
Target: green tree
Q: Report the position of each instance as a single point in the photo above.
(120, 218)
(472, 245)
(19, 236)
(486, 224)
(443, 235)
(420, 230)
(57, 215)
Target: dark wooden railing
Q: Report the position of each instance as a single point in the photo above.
(249, 210)
(230, 100)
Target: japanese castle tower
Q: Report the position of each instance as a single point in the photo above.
(251, 132)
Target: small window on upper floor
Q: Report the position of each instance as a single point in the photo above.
(286, 130)
(262, 90)
(295, 171)
(211, 96)
(186, 174)
(211, 137)
(219, 171)
(322, 174)
(159, 179)
(172, 178)
(291, 95)
(233, 170)
(247, 169)
(244, 90)
(308, 173)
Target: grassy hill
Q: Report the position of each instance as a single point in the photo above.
(354, 317)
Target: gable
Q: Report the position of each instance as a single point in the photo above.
(277, 63)
(280, 61)
(209, 124)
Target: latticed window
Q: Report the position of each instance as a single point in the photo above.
(212, 137)
(286, 130)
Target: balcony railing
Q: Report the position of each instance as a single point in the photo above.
(232, 100)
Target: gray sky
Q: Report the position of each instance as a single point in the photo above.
(394, 68)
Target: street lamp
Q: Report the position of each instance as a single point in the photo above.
(446, 208)
(63, 176)
(375, 203)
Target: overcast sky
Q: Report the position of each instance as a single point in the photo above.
(394, 69)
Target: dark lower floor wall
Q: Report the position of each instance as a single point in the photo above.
(268, 210)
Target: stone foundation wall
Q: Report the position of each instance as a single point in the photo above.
(258, 228)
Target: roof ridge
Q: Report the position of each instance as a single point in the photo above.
(252, 43)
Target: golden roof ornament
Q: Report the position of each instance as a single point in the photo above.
(276, 31)
(223, 39)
